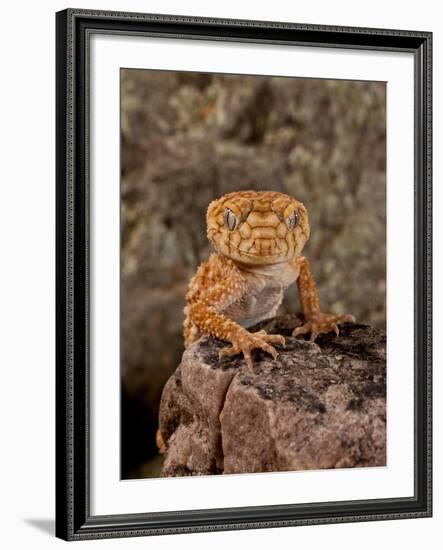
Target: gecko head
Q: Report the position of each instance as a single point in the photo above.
(257, 227)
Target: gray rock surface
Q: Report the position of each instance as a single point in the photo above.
(320, 405)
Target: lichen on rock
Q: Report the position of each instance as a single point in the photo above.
(319, 405)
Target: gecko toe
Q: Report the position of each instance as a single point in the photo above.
(301, 330)
(248, 359)
(346, 319)
(269, 349)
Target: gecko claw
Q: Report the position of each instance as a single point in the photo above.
(322, 323)
(273, 338)
(247, 341)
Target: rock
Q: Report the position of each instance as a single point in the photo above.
(318, 405)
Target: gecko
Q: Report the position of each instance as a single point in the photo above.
(258, 238)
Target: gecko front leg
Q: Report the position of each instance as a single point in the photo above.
(242, 341)
(317, 322)
(207, 301)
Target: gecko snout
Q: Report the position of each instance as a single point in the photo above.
(264, 247)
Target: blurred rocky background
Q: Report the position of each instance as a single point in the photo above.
(188, 138)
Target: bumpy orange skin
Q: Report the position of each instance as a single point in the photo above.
(258, 237)
(262, 236)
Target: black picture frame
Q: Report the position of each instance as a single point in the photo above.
(74, 28)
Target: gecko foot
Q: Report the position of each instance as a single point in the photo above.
(246, 341)
(322, 323)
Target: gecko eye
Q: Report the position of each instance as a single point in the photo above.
(230, 219)
(292, 220)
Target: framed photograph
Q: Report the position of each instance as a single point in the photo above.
(243, 274)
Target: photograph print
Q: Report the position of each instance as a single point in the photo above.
(253, 274)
